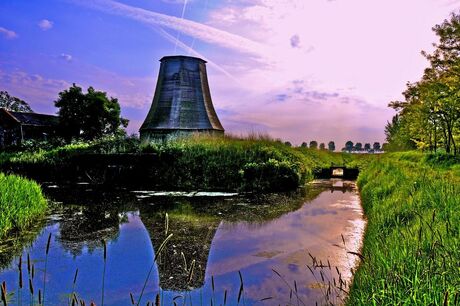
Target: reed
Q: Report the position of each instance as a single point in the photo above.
(255, 163)
(47, 250)
(103, 271)
(21, 203)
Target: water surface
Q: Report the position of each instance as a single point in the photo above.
(288, 248)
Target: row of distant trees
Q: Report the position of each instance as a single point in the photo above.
(349, 146)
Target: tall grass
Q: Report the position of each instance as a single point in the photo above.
(21, 201)
(200, 162)
(412, 243)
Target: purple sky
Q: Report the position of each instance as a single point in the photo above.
(300, 70)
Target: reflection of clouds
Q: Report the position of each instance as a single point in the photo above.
(284, 244)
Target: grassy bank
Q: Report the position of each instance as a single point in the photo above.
(21, 201)
(196, 163)
(412, 246)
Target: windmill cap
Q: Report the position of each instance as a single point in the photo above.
(183, 57)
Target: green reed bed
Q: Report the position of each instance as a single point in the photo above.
(412, 243)
(255, 163)
(21, 201)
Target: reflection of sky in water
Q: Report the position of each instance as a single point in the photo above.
(252, 248)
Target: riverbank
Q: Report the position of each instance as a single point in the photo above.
(411, 247)
(21, 202)
(227, 163)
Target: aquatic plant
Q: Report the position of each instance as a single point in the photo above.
(21, 202)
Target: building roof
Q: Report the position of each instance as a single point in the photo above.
(182, 57)
(34, 118)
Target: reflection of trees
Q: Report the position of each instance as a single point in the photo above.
(193, 223)
(13, 246)
(96, 216)
(88, 227)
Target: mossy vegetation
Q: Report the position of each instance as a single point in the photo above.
(411, 247)
(21, 202)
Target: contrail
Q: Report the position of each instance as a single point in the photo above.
(182, 18)
(184, 26)
(197, 54)
(194, 39)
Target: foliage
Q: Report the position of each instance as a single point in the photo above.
(313, 144)
(21, 201)
(196, 163)
(349, 146)
(13, 104)
(89, 115)
(429, 117)
(322, 146)
(376, 146)
(331, 146)
(411, 246)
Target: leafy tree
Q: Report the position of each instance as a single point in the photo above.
(304, 145)
(288, 143)
(331, 146)
(358, 146)
(376, 146)
(367, 147)
(349, 145)
(13, 104)
(322, 146)
(429, 115)
(89, 115)
(313, 144)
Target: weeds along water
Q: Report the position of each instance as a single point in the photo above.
(412, 245)
(196, 163)
(21, 203)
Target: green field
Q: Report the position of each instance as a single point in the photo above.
(412, 246)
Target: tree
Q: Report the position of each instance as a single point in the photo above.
(304, 145)
(358, 146)
(89, 116)
(313, 144)
(349, 146)
(367, 147)
(13, 104)
(429, 115)
(331, 146)
(322, 146)
(288, 143)
(376, 146)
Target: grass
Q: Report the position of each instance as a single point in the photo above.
(21, 201)
(256, 163)
(411, 246)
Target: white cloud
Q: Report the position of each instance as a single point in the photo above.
(45, 24)
(8, 33)
(66, 57)
(194, 29)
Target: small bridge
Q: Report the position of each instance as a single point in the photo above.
(338, 172)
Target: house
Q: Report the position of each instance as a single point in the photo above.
(15, 127)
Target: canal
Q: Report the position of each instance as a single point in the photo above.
(289, 249)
